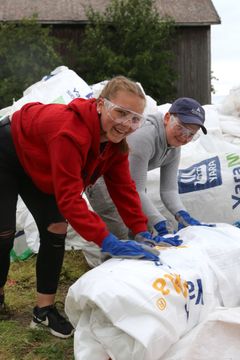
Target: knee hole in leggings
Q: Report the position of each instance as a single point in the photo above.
(58, 228)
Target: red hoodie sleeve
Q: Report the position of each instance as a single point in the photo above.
(67, 161)
(123, 192)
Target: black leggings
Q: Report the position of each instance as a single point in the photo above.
(13, 182)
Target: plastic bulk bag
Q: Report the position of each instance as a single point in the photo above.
(61, 86)
(132, 309)
(208, 176)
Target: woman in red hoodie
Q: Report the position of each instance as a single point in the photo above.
(48, 155)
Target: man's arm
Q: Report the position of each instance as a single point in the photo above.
(169, 192)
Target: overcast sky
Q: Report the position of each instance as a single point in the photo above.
(225, 46)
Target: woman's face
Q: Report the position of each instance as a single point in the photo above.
(178, 133)
(120, 116)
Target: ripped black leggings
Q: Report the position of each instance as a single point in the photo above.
(13, 182)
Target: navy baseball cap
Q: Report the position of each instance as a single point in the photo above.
(189, 111)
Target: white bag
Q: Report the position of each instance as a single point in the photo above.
(61, 86)
(209, 176)
(132, 309)
(217, 337)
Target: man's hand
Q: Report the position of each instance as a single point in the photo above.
(146, 238)
(164, 227)
(128, 249)
(184, 219)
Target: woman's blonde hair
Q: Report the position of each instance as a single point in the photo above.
(122, 83)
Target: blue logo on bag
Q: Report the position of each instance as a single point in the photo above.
(203, 175)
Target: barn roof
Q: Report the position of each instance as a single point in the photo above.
(184, 12)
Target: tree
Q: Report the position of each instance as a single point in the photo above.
(27, 53)
(129, 38)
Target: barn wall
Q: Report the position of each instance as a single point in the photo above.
(193, 63)
(192, 58)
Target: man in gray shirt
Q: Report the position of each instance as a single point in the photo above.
(157, 144)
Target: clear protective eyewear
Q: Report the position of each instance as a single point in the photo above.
(185, 132)
(124, 115)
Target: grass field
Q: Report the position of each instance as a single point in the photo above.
(18, 341)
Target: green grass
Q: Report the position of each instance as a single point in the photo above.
(18, 341)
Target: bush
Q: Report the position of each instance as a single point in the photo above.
(129, 38)
(27, 53)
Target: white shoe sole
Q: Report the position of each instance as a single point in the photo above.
(38, 326)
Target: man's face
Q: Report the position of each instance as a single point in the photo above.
(177, 132)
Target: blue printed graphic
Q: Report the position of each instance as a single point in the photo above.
(196, 292)
(203, 175)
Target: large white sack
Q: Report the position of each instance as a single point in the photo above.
(231, 103)
(135, 310)
(208, 177)
(61, 86)
(212, 156)
(217, 337)
(229, 116)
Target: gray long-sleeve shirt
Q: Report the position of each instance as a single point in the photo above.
(149, 150)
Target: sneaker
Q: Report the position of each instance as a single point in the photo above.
(49, 317)
(4, 310)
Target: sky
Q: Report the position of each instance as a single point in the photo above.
(225, 47)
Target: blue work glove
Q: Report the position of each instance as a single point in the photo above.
(146, 238)
(184, 220)
(237, 224)
(164, 227)
(169, 241)
(145, 235)
(128, 249)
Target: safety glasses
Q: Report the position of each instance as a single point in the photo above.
(121, 115)
(183, 130)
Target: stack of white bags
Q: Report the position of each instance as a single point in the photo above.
(187, 308)
(209, 173)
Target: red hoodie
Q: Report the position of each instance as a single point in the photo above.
(59, 148)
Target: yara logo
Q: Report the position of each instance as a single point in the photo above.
(197, 175)
(200, 176)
